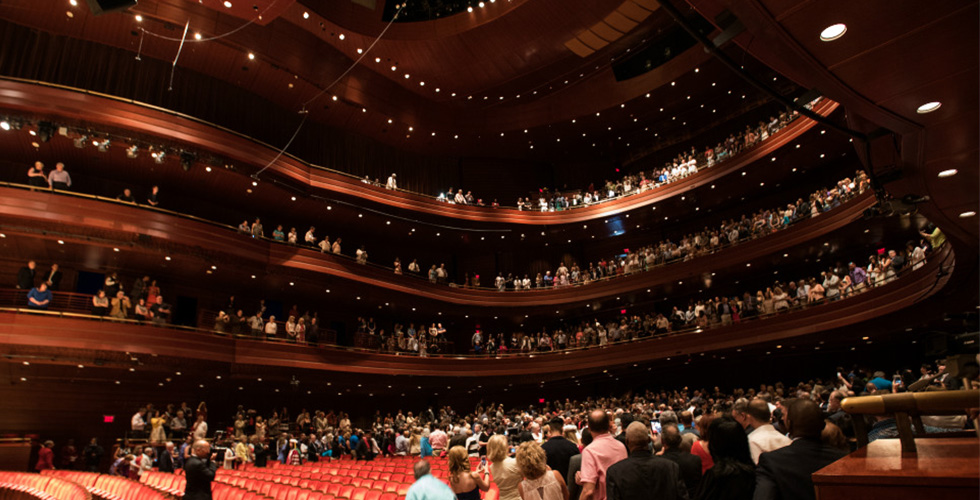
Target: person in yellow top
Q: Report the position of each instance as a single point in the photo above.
(936, 238)
(157, 435)
(120, 306)
(242, 452)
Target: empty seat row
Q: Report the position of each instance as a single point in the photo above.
(109, 487)
(43, 486)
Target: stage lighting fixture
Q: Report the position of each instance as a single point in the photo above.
(132, 151)
(104, 146)
(45, 130)
(5, 125)
(158, 157)
(80, 141)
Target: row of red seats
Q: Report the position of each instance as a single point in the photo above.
(43, 486)
(108, 487)
(173, 485)
(11, 491)
(269, 484)
(285, 492)
(305, 479)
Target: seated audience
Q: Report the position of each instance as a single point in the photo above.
(39, 297)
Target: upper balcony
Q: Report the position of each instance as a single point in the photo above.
(128, 118)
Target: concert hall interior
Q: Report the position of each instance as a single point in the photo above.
(293, 249)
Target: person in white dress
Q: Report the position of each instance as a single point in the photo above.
(540, 482)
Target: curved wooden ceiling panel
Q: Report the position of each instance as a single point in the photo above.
(68, 334)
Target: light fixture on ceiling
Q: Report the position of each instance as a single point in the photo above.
(227, 4)
(928, 107)
(964, 215)
(306, 15)
(833, 32)
(948, 173)
(5, 125)
(139, 18)
(251, 56)
(197, 36)
(341, 36)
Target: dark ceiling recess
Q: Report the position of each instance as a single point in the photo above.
(426, 10)
(672, 42)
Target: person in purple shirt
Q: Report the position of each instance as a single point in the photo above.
(39, 297)
(858, 278)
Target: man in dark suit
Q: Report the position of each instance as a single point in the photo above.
(785, 474)
(689, 463)
(199, 471)
(25, 276)
(165, 462)
(642, 474)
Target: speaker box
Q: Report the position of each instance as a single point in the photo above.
(100, 7)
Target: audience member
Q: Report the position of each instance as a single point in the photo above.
(755, 416)
(540, 481)
(36, 176)
(642, 474)
(25, 276)
(465, 483)
(126, 196)
(689, 464)
(59, 178)
(53, 277)
(427, 487)
(39, 297)
(558, 450)
(199, 472)
(604, 451)
(733, 476)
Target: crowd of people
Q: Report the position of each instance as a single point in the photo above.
(684, 165)
(696, 244)
(834, 283)
(705, 444)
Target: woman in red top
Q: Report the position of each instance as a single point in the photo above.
(45, 457)
(700, 447)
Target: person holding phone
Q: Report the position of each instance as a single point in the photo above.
(465, 483)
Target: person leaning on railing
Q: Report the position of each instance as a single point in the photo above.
(39, 297)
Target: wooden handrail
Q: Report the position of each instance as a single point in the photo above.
(908, 409)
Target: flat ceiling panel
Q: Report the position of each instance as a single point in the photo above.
(592, 40)
(620, 22)
(606, 32)
(580, 49)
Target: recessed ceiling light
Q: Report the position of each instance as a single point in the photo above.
(928, 107)
(306, 15)
(227, 4)
(967, 214)
(251, 56)
(139, 18)
(833, 32)
(197, 36)
(948, 173)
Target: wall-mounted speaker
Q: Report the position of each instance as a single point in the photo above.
(100, 7)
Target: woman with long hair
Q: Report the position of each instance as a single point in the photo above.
(540, 482)
(465, 483)
(506, 474)
(733, 475)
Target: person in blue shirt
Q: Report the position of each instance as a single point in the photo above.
(39, 297)
(427, 487)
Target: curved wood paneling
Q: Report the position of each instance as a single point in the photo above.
(64, 333)
(176, 234)
(94, 109)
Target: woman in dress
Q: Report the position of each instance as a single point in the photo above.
(152, 293)
(465, 483)
(540, 482)
(100, 304)
(504, 469)
(157, 435)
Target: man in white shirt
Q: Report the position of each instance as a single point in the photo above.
(310, 238)
(473, 442)
(137, 423)
(392, 182)
(755, 416)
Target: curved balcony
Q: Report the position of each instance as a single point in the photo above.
(80, 106)
(65, 335)
(154, 231)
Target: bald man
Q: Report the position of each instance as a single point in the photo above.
(604, 451)
(199, 471)
(642, 474)
(755, 418)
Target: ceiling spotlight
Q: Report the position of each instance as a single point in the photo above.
(469, 9)
(482, 5)
(5, 125)
(80, 141)
(139, 18)
(407, 76)
(103, 146)
(928, 107)
(948, 173)
(251, 56)
(964, 215)
(158, 159)
(74, 3)
(377, 59)
(394, 68)
(833, 32)
(197, 36)
(306, 15)
(227, 4)
(360, 50)
(132, 151)
(341, 36)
